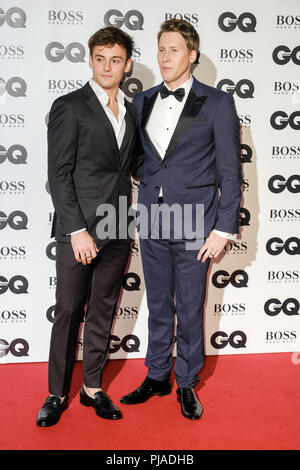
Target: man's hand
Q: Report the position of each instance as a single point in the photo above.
(84, 247)
(212, 247)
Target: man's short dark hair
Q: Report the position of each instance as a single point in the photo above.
(110, 36)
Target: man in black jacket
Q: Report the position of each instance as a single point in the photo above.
(91, 154)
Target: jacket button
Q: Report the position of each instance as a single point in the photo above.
(164, 165)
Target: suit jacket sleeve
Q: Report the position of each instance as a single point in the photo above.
(62, 149)
(228, 157)
(138, 157)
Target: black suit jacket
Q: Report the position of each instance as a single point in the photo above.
(85, 166)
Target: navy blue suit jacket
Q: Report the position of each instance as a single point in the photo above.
(203, 155)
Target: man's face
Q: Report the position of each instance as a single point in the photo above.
(174, 58)
(108, 65)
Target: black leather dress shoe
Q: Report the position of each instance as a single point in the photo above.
(191, 407)
(102, 404)
(148, 389)
(51, 411)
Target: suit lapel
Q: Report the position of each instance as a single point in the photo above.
(147, 109)
(96, 107)
(190, 110)
(129, 131)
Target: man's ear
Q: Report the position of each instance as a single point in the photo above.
(193, 56)
(90, 61)
(128, 65)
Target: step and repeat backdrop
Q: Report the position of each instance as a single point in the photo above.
(248, 49)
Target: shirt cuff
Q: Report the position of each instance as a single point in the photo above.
(77, 231)
(230, 236)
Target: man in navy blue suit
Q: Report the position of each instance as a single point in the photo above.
(191, 138)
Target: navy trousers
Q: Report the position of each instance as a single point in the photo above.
(175, 283)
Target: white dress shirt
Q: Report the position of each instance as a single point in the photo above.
(161, 126)
(118, 125)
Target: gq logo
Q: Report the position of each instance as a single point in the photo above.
(74, 52)
(244, 217)
(236, 340)
(133, 19)
(290, 307)
(130, 343)
(15, 17)
(16, 154)
(280, 120)
(246, 153)
(238, 278)
(17, 220)
(275, 246)
(131, 281)
(14, 86)
(17, 285)
(51, 251)
(228, 21)
(278, 183)
(244, 88)
(282, 55)
(132, 86)
(18, 347)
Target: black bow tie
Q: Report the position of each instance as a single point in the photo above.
(179, 93)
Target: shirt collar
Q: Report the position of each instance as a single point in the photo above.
(186, 85)
(103, 96)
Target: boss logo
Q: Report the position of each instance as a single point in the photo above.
(133, 19)
(244, 88)
(74, 52)
(286, 276)
(275, 246)
(14, 17)
(277, 184)
(70, 16)
(286, 151)
(12, 52)
(285, 87)
(130, 344)
(132, 86)
(12, 120)
(238, 278)
(16, 154)
(230, 308)
(12, 251)
(131, 281)
(18, 347)
(228, 21)
(288, 20)
(242, 55)
(64, 85)
(13, 316)
(281, 335)
(246, 153)
(17, 220)
(285, 214)
(15, 87)
(280, 120)
(190, 17)
(283, 54)
(244, 217)
(12, 186)
(245, 120)
(127, 312)
(236, 247)
(52, 282)
(51, 251)
(17, 285)
(290, 307)
(236, 340)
